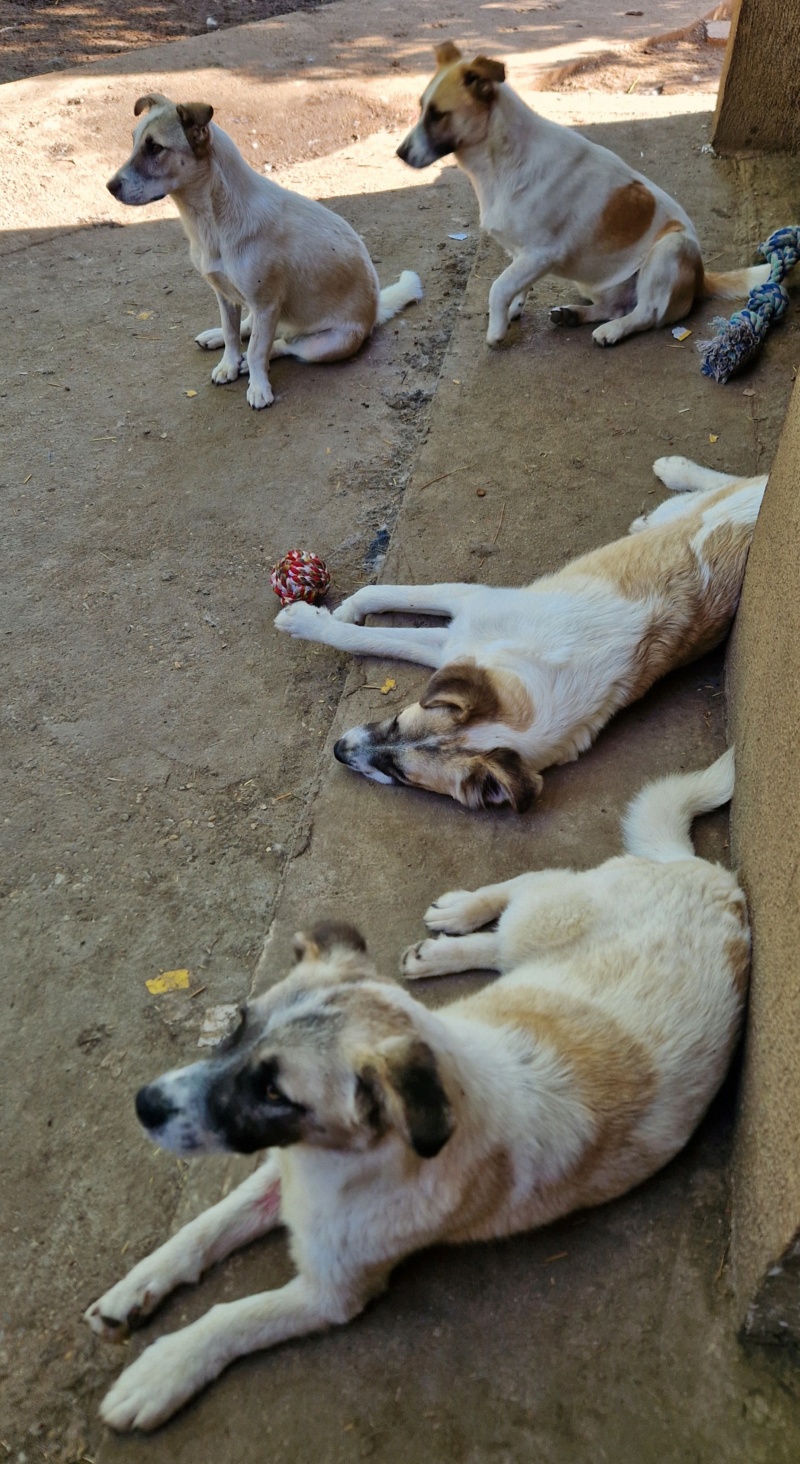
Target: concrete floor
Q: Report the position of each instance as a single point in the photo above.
(155, 726)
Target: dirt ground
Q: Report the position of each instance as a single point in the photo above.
(50, 35)
(170, 801)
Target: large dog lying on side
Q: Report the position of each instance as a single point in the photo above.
(527, 677)
(561, 205)
(303, 274)
(574, 1077)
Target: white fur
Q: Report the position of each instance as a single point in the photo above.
(575, 1076)
(572, 639)
(543, 191)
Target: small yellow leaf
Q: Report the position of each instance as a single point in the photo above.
(456, 381)
(388, 685)
(191, 393)
(168, 981)
(713, 436)
(144, 315)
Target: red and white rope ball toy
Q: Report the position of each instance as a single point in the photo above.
(300, 575)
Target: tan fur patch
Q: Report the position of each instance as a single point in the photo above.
(626, 217)
(612, 1072)
(737, 952)
(484, 1190)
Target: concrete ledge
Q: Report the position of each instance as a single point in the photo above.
(764, 699)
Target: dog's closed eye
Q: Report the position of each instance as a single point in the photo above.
(153, 148)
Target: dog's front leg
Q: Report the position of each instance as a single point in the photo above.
(229, 368)
(176, 1367)
(263, 324)
(504, 295)
(251, 1210)
(423, 644)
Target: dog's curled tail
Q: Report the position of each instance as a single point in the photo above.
(734, 284)
(395, 297)
(658, 823)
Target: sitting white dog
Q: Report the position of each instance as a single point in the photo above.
(303, 274)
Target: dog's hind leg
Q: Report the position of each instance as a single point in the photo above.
(450, 953)
(251, 1210)
(176, 1367)
(607, 306)
(335, 344)
(461, 911)
(668, 282)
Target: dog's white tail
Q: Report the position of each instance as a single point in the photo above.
(657, 824)
(395, 297)
(734, 284)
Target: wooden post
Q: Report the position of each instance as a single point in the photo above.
(758, 109)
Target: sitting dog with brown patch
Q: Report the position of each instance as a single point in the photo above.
(301, 271)
(561, 205)
(577, 1075)
(527, 677)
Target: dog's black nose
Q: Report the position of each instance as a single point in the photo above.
(402, 151)
(340, 750)
(114, 186)
(152, 1108)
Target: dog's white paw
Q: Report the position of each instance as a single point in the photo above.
(210, 340)
(157, 1384)
(642, 522)
(349, 612)
(302, 620)
(453, 913)
(260, 394)
(495, 335)
(130, 1301)
(675, 472)
(228, 369)
(420, 960)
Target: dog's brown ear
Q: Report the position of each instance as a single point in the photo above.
(464, 689)
(399, 1086)
(483, 76)
(194, 118)
(446, 53)
(327, 936)
(498, 777)
(153, 99)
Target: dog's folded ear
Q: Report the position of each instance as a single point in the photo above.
(194, 118)
(399, 1087)
(463, 689)
(145, 104)
(483, 76)
(325, 937)
(497, 777)
(447, 53)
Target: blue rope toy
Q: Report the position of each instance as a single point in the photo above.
(739, 338)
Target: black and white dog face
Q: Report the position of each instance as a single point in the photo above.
(329, 1057)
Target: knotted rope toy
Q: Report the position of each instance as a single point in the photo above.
(739, 338)
(300, 575)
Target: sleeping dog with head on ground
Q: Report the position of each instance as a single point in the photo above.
(302, 273)
(527, 677)
(561, 205)
(577, 1075)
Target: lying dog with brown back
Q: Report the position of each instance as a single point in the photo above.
(391, 1127)
(561, 205)
(527, 677)
(301, 271)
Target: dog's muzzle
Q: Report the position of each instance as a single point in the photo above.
(153, 1109)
